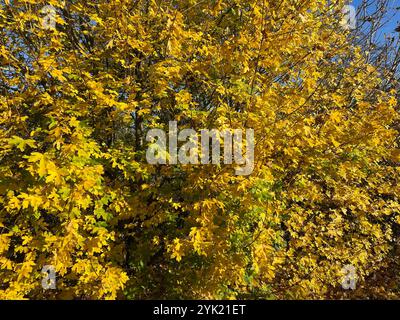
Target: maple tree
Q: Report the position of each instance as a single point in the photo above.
(76, 191)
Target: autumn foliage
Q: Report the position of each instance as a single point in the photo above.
(76, 191)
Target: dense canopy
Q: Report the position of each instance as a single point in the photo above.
(77, 193)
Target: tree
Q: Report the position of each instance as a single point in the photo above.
(76, 191)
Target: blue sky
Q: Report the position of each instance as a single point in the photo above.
(394, 22)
